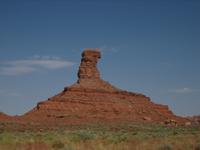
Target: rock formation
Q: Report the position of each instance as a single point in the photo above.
(88, 68)
(3, 116)
(93, 100)
(89, 75)
(195, 120)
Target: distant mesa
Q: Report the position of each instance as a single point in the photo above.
(93, 100)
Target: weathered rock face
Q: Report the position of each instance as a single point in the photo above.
(3, 116)
(89, 75)
(92, 100)
(88, 68)
(195, 120)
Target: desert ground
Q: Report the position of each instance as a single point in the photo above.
(132, 136)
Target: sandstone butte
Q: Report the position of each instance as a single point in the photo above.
(93, 100)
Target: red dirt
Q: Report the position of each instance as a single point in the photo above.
(93, 100)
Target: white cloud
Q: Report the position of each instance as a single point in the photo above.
(184, 90)
(16, 70)
(36, 63)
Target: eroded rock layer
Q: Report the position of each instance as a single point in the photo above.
(82, 107)
(93, 100)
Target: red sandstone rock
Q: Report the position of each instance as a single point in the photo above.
(194, 120)
(88, 68)
(2, 115)
(89, 76)
(92, 100)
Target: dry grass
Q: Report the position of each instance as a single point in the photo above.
(98, 137)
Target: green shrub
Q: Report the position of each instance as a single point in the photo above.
(7, 138)
(82, 135)
(117, 137)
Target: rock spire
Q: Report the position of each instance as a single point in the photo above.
(89, 75)
(93, 100)
(88, 67)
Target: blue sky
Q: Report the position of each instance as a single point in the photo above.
(151, 47)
